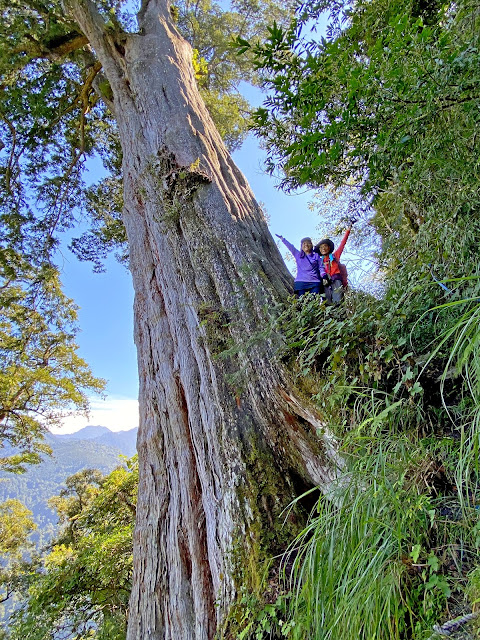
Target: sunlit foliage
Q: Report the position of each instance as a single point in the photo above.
(81, 586)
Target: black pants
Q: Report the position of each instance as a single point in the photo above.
(301, 288)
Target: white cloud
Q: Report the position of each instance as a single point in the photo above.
(118, 414)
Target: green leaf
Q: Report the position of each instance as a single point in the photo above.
(433, 562)
(415, 552)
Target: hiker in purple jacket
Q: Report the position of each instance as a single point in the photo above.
(310, 269)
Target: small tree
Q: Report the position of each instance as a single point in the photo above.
(15, 527)
(16, 524)
(42, 378)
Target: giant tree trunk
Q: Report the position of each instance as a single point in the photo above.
(223, 443)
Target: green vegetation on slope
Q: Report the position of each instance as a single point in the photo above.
(80, 586)
(391, 551)
(386, 110)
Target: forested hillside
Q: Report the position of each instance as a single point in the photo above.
(70, 453)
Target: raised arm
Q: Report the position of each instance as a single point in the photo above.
(342, 244)
(289, 246)
(321, 266)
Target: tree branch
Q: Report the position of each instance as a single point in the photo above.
(11, 159)
(83, 99)
(89, 19)
(125, 499)
(159, 6)
(54, 50)
(94, 26)
(63, 46)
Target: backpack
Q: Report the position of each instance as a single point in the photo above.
(344, 274)
(343, 271)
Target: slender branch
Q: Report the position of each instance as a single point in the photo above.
(7, 284)
(439, 109)
(62, 193)
(444, 102)
(124, 498)
(13, 162)
(90, 60)
(87, 87)
(82, 95)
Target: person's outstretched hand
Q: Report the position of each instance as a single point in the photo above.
(279, 236)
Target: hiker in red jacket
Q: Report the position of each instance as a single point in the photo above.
(332, 281)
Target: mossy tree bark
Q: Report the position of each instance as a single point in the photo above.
(223, 443)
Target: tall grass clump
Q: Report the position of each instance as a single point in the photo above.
(464, 362)
(363, 558)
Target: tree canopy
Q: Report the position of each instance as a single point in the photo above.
(378, 100)
(52, 118)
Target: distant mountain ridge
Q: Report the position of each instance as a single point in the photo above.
(125, 441)
(87, 433)
(93, 447)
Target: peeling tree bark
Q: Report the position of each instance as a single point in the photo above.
(223, 444)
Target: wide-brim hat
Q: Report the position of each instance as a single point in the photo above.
(326, 241)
